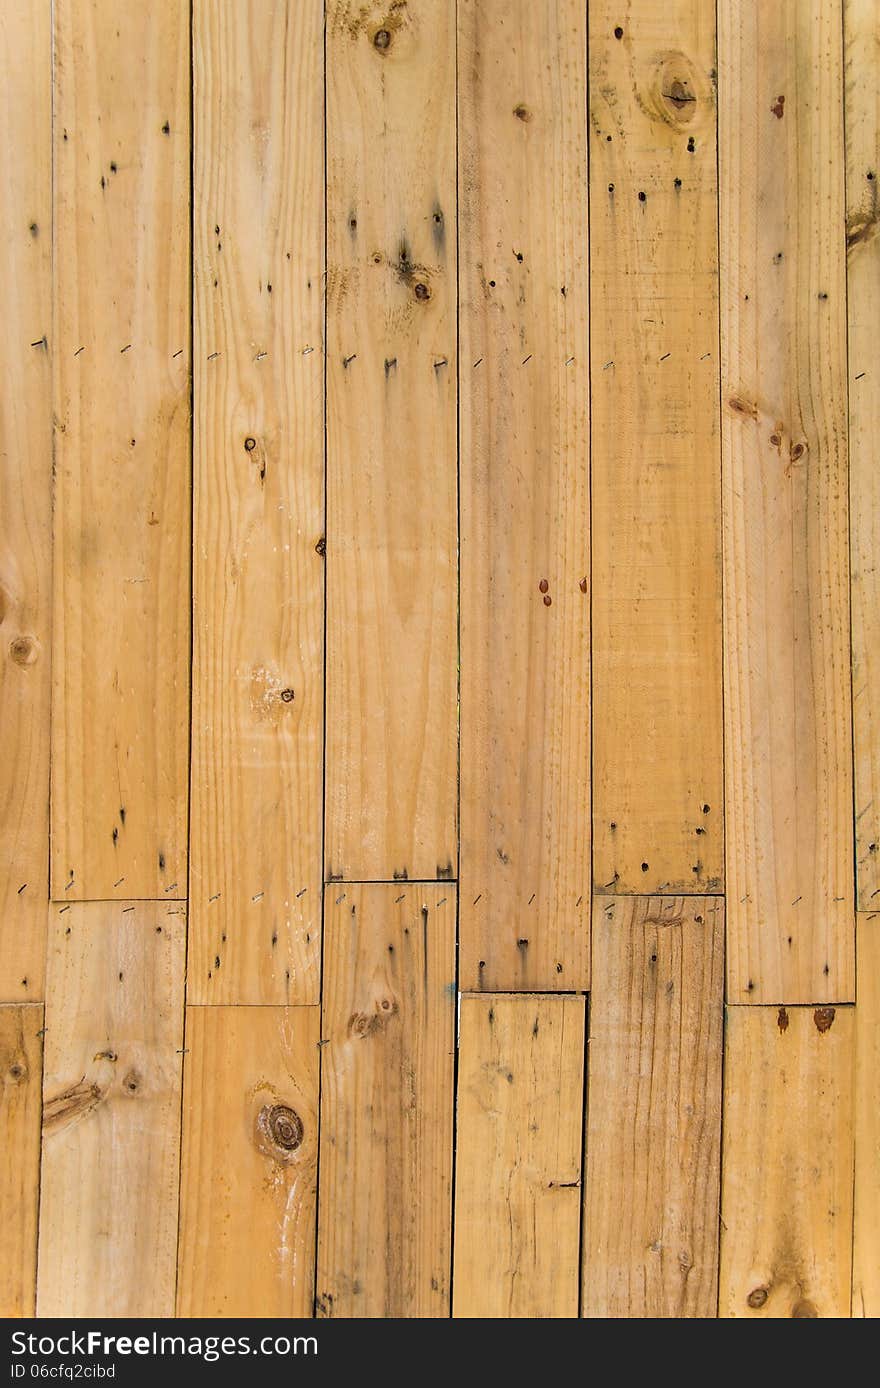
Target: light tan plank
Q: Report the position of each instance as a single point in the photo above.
(654, 1112)
(525, 602)
(21, 1059)
(250, 1147)
(787, 1169)
(120, 697)
(391, 440)
(388, 1042)
(25, 490)
(518, 1156)
(657, 733)
(786, 630)
(111, 1109)
(862, 122)
(866, 1221)
(255, 914)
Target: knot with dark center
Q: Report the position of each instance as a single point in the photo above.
(282, 1125)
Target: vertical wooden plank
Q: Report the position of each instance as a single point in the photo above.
(250, 1147)
(525, 605)
(654, 1112)
(21, 1059)
(25, 490)
(111, 1109)
(862, 122)
(787, 1165)
(657, 731)
(258, 191)
(786, 628)
(866, 1220)
(388, 1043)
(120, 700)
(391, 440)
(518, 1158)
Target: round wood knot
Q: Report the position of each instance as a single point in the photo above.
(757, 1298)
(287, 696)
(250, 444)
(24, 650)
(422, 292)
(382, 40)
(282, 1125)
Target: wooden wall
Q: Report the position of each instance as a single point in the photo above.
(439, 774)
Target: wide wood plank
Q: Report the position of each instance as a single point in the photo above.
(111, 1109)
(866, 1217)
(250, 1148)
(21, 1060)
(387, 1058)
(120, 700)
(654, 1113)
(518, 1156)
(787, 1166)
(258, 567)
(525, 601)
(391, 440)
(861, 19)
(786, 628)
(25, 490)
(657, 729)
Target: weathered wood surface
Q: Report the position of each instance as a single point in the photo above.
(387, 1062)
(654, 1111)
(25, 491)
(258, 570)
(518, 1156)
(525, 516)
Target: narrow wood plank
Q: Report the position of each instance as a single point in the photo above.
(861, 20)
(786, 630)
(866, 1220)
(111, 1109)
(518, 1156)
(120, 698)
(787, 1167)
(21, 1060)
(25, 490)
(525, 604)
(391, 440)
(255, 913)
(657, 733)
(654, 1113)
(250, 1147)
(387, 1053)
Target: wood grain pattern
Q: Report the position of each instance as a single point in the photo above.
(787, 1166)
(111, 1109)
(657, 740)
(120, 697)
(786, 627)
(518, 1157)
(391, 441)
(21, 1059)
(258, 576)
(387, 1057)
(654, 1113)
(861, 20)
(25, 491)
(866, 1216)
(525, 418)
(250, 1147)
